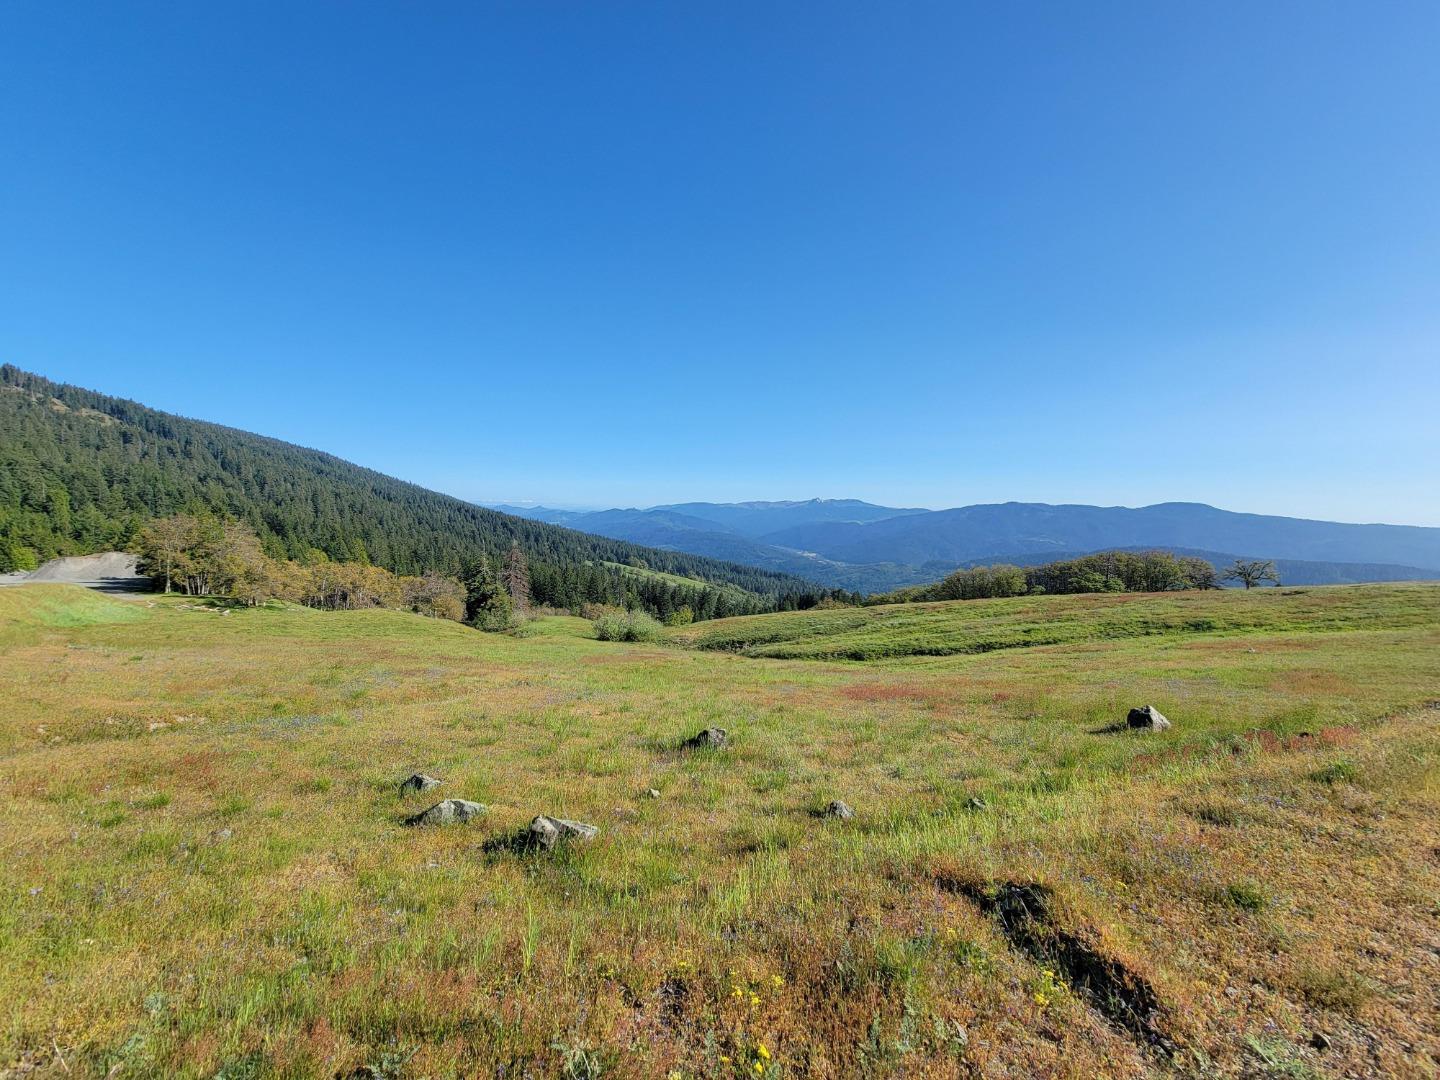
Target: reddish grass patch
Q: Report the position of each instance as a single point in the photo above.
(877, 692)
(1267, 741)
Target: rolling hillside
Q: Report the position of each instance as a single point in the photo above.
(209, 874)
(79, 471)
(966, 627)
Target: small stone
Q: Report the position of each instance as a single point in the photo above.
(1320, 1041)
(1147, 718)
(652, 793)
(545, 832)
(838, 809)
(975, 802)
(417, 782)
(219, 836)
(446, 812)
(712, 738)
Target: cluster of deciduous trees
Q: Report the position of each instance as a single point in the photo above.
(1104, 571)
(1122, 571)
(205, 555)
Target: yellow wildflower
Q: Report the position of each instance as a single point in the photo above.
(777, 981)
(760, 1049)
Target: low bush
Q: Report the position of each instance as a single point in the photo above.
(628, 626)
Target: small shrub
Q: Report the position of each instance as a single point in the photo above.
(1215, 812)
(1333, 988)
(1336, 772)
(628, 626)
(1245, 896)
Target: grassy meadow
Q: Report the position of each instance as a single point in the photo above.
(206, 873)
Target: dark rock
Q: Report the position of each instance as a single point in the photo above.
(446, 812)
(838, 809)
(712, 738)
(1320, 1041)
(545, 832)
(418, 782)
(1146, 718)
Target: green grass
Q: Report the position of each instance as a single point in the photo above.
(977, 626)
(206, 872)
(733, 591)
(23, 611)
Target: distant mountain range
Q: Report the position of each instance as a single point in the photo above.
(858, 545)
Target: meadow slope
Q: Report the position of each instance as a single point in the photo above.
(207, 875)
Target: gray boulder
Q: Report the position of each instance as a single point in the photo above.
(545, 832)
(417, 782)
(712, 738)
(838, 809)
(1147, 718)
(447, 812)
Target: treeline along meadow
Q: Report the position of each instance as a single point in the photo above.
(1104, 571)
(82, 472)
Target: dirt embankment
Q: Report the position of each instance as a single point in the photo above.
(108, 571)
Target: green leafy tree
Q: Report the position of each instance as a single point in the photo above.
(162, 547)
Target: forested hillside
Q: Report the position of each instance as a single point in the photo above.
(81, 472)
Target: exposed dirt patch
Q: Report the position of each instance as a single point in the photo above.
(1025, 914)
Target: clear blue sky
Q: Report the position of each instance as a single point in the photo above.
(625, 253)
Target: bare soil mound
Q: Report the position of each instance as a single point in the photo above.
(108, 571)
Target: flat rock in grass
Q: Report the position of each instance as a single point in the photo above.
(712, 738)
(545, 832)
(447, 812)
(417, 782)
(1146, 718)
(838, 809)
